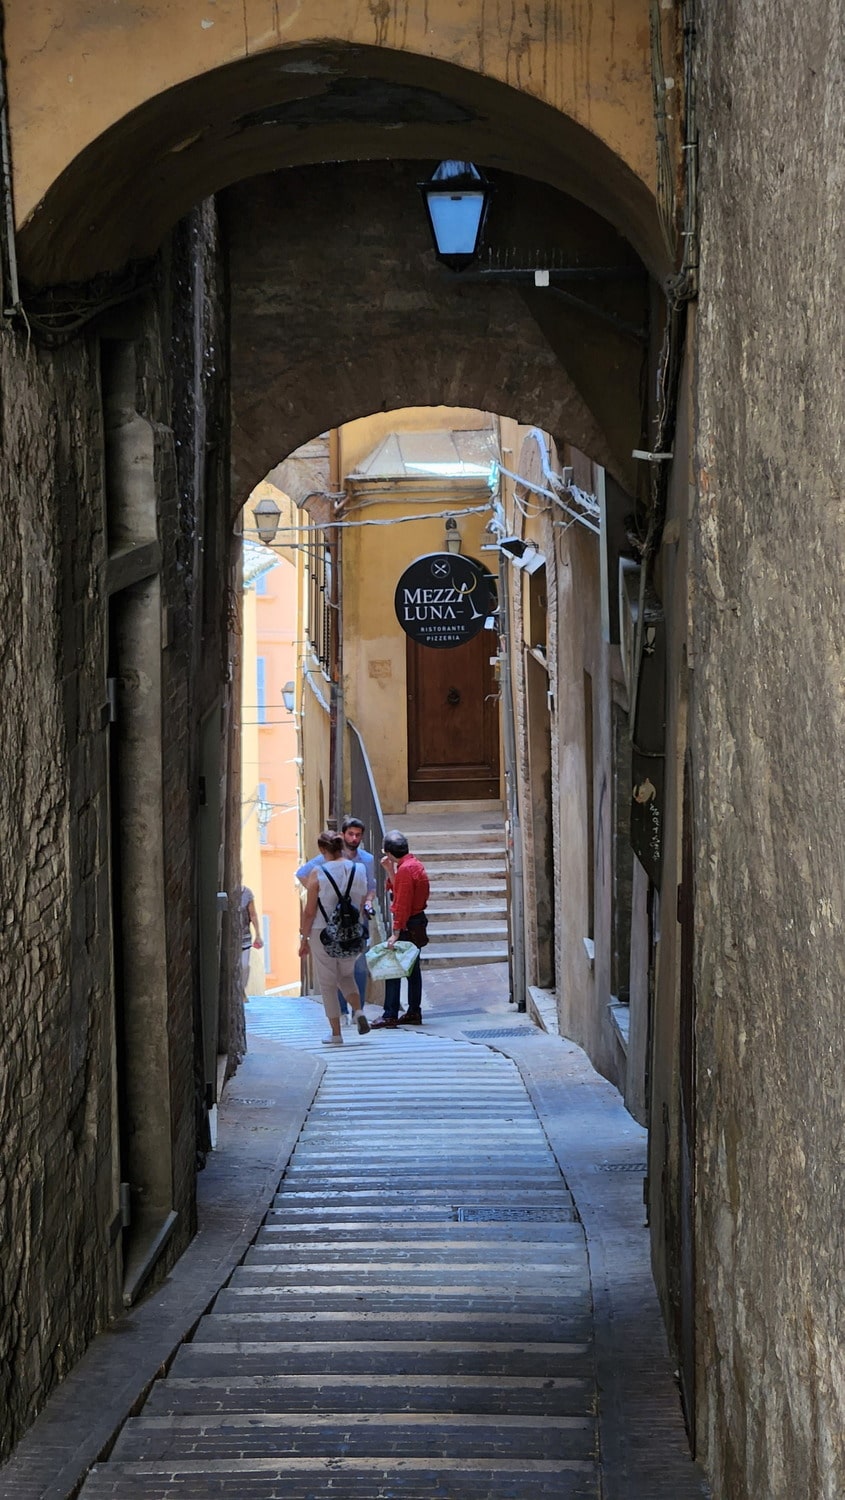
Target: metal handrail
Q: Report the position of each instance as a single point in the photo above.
(364, 804)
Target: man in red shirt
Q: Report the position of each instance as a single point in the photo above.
(408, 884)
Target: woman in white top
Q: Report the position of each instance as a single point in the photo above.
(333, 974)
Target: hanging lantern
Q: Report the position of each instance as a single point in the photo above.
(456, 197)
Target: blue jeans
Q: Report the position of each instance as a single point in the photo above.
(360, 979)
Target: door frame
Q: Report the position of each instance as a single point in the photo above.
(488, 767)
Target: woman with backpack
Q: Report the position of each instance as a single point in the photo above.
(331, 930)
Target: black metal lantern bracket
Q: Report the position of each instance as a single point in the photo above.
(457, 198)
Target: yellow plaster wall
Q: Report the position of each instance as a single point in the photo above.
(374, 644)
(250, 777)
(276, 634)
(356, 440)
(315, 759)
(76, 68)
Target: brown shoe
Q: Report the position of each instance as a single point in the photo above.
(386, 1021)
(410, 1018)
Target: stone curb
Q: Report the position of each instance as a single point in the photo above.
(261, 1116)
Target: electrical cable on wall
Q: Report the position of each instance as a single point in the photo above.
(469, 510)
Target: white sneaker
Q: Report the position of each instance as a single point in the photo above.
(331, 1040)
(362, 1023)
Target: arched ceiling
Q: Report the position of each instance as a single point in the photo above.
(115, 200)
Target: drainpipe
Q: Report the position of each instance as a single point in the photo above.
(338, 696)
(338, 702)
(516, 911)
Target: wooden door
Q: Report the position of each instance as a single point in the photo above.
(453, 721)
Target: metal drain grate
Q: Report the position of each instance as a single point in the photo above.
(622, 1166)
(251, 1103)
(504, 1031)
(514, 1215)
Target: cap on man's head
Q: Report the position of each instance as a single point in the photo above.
(352, 823)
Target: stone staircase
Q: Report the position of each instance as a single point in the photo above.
(413, 1320)
(463, 850)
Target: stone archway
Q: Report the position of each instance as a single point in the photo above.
(106, 188)
(338, 308)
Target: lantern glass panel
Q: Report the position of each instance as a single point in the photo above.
(455, 219)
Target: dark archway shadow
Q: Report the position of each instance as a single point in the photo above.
(338, 308)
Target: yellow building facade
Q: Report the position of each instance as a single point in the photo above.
(270, 762)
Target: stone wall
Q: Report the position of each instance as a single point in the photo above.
(340, 258)
(584, 685)
(199, 580)
(61, 1276)
(768, 727)
(55, 1097)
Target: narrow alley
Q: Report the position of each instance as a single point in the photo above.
(422, 430)
(424, 1311)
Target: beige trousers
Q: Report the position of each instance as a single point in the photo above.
(334, 974)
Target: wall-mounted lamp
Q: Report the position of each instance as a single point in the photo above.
(531, 561)
(513, 545)
(452, 539)
(524, 555)
(267, 516)
(456, 198)
(289, 696)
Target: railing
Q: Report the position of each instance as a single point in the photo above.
(364, 804)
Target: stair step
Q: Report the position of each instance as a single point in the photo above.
(441, 910)
(424, 809)
(448, 1264)
(458, 863)
(235, 1357)
(437, 956)
(520, 1395)
(345, 1479)
(309, 1234)
(453, 848)
(470, 837)
(455, 851)
(395, 1177)
(470, 932)
(459, 888)
(570, 1319)
(283, 1435)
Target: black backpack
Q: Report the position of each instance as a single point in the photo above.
(343, 934)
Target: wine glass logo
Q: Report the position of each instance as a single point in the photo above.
(466, 591)
(442, 568)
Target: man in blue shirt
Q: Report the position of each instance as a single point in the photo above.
(352, 830)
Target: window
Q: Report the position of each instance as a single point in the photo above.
(264, 812)
(261, 584)
(261, 688)
(265, 953)
(320, 586)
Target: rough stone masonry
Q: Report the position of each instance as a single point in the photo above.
(767, 725)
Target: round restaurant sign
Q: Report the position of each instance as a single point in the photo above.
(442, 599)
